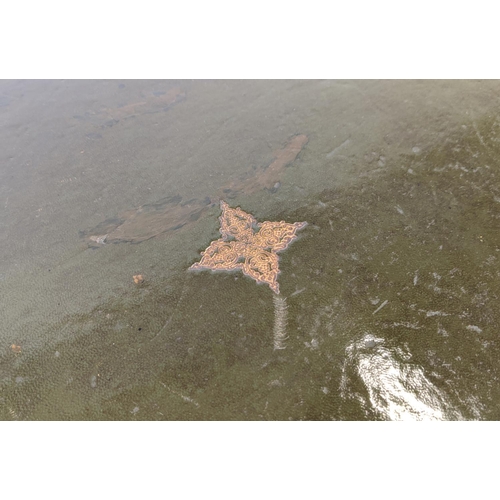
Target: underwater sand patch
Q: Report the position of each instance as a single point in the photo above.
(156, 102)
(146, 222)
(172, 213)
(151, 104)
(268, 177)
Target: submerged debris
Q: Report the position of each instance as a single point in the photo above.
(138, 279)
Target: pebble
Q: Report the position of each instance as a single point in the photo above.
(416, 150)
(276, 187)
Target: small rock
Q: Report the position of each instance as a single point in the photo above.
(101, 239)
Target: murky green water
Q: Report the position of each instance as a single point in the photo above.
(389, 297)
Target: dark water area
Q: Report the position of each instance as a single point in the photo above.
(388, 303)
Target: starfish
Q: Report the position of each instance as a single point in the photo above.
(249, 246)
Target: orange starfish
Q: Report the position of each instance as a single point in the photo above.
(249, 246)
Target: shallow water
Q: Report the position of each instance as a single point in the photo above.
(388, 302)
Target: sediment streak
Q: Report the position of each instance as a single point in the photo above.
(280, 321)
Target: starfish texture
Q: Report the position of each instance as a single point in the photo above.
(248, 245)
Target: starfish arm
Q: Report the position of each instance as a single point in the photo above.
(277, 235)
(235, 223)
(262, 266)
(221, 255)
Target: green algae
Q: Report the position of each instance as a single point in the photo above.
(421, 237)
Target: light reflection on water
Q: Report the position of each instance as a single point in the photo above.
(397, 388)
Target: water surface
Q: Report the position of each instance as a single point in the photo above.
(388, 302)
